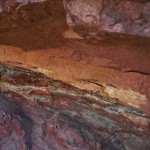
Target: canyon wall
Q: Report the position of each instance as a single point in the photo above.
(37, 36)
(37, 112)
(79, 85)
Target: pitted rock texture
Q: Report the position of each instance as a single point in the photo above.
(122, 16)
(5, 5)
(37, 112)
(33, 37)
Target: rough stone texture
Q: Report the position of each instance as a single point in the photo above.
(37, 112)
(92, 67)
(5, 5)
(110, 107)
(34, 38)
(123, 16)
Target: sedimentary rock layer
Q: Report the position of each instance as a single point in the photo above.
(124, 76)
(37, 112)
(35, 35)
(94, 92)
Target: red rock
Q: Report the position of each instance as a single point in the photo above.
(65, 120)
(96, 92)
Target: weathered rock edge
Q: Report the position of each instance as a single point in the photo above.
(37, 112)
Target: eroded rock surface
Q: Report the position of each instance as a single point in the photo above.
(37, 112)
(36, 36)
(123, 16)
(110, 107)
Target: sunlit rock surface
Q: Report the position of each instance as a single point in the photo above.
(96, 94)
(36, 36)
(37, 112)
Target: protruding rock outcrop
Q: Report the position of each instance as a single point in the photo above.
(122, 16)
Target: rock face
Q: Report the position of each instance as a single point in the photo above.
(94, 92)
(91, 67)
(37, 112)
(5, 5)
(117, 65)
(123, 16)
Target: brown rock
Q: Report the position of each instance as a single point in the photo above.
(110, 107)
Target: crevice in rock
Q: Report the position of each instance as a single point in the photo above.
(138, 72)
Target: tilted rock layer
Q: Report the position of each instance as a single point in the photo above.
(35, 37)
(96, 92)
(37, 112)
